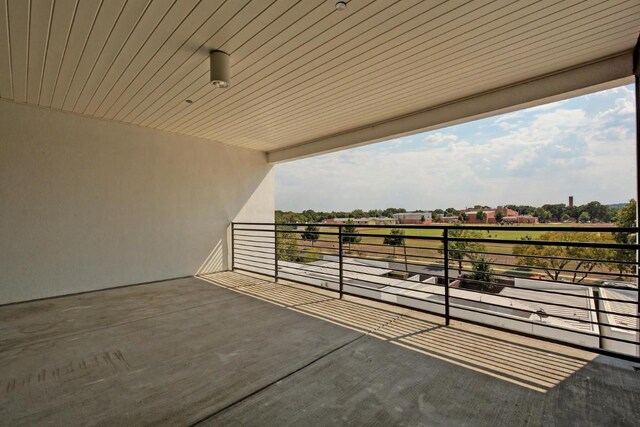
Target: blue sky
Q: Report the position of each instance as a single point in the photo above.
(582, 146)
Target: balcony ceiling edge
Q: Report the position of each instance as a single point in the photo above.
(602, 74)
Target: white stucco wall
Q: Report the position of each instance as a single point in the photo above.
(88, 204)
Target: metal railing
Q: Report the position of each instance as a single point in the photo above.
(568, 284)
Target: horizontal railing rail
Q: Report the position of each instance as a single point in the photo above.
(572, 284)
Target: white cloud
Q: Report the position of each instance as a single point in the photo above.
(623, 108)
(561, 118)
(440, 138)
(538, 156)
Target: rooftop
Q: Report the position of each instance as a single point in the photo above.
(229, 348)
(620, 305)
(577, 315)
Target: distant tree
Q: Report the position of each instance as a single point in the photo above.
(522, 209)
(499, 217)
(358, 213)
(565, 217)
(394, 238)
(597, 211)
(555, 211)
(287, 248)
(621, 260)
(437, 217)
(350, 235)
(573, 212)
(389, 212)
(309, 216)
(626, 217)
(542, 215)
(584, 217)
(438, 212)
(577, 262)
(464, 249)
(286, 217)
(451, 212)
(311, 234)
(463, 217)
(481, 276)
(482, 269)
(481, 215)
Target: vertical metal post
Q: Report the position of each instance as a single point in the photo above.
(636, 73)
(233, 246)
(275, 252)
(445, 245)
(340, 259)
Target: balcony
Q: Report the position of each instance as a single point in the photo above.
(228, 348)
(123, 299)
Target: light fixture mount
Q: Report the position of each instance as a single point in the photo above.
(220, 69)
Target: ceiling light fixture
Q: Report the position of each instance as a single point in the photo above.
(220, 70)
(341, 5)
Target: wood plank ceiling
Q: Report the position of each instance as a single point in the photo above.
(300, 69)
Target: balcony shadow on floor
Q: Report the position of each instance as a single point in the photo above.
(526, 362)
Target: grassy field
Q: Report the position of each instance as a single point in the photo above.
(497, 234)
(368, 239)
(423, 251)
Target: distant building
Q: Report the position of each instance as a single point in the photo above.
(360, 221)
(413, 217)
(520, 219)
(472, 217)
(449, 219)
(570, 201)
(506, 211)
(334, 221)
(509, 216)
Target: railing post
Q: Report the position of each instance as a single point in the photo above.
(340, 259)
(636, 74)
(233, 246)
(445, 245)
(275, 252)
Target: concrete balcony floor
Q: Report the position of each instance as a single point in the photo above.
(228, 349)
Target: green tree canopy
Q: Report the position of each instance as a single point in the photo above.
(451, 212)
(311, 234)
(543, 215)
(481, 276)
(465, 249)
(566, 262)
(349, 234)
(626, 217)
(395, 238)
(584, 217)
(287, 248)
(311, 216)
(621, 260)
(597, 211)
